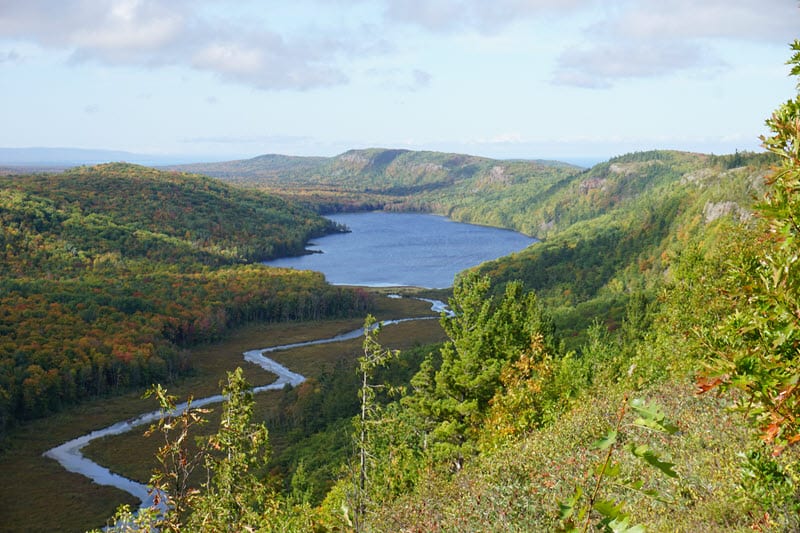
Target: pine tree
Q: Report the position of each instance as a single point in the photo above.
(485, 336)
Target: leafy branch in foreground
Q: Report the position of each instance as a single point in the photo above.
(584, 508)
(177, 458)
(236, 494)
(755, 350)
(235, 497)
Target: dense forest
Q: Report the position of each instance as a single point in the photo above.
(636, 370)
(108, 273)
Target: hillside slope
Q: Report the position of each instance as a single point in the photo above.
(391, 179)
(616, 228)
(108, 272)
(606, 231)
(208, 217)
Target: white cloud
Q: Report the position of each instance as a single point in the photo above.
(762, 20)
(627, 39)
(481, 15)
(127, 36)
(234, 59)
(173, 32)
(267, 61)
(645, 39)
(87, 24)
(599, 66)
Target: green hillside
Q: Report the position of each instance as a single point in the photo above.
(622, 434)
(376, 178)
(199, 218)
(636, 370)
(565, 399)
(108, 272)
(606, 231)
(616, 229)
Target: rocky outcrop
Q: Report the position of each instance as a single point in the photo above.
(714, 210)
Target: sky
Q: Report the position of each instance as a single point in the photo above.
(572, 80)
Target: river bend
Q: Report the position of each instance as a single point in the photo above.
(69, 455)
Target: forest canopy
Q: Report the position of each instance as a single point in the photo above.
(109, 272)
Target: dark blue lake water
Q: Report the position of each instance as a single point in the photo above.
(403, 249)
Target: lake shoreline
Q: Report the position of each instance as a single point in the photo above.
(390, 249)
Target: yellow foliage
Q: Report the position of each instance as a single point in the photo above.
(517, 406)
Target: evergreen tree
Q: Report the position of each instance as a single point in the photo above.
(485, 335)
(375, 356)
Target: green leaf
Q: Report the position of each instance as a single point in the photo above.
(609, 508)
(612, 470)
(606, 441)
(667, 427)
(621, 525)
(650, 493)
(650, 457)
(651, 417)
(567, 508)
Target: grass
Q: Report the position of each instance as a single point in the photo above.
(38, 495)
(517, 488)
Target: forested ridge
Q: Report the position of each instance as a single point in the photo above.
(637, 370)
(616, 229)
(108, 273)
(403, 180)
(576, 389)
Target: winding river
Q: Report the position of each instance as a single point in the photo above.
(69, 454)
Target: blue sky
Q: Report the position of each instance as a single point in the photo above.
(553, 79)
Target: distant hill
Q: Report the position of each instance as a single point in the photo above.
(45, 158)
(263, 167)
(391, 179)
(375, 168)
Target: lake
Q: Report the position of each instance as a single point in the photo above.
(403, 249)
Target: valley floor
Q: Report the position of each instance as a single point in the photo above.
(37, 492)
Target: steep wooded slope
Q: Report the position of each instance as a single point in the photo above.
(606, 231)
(616, 228)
